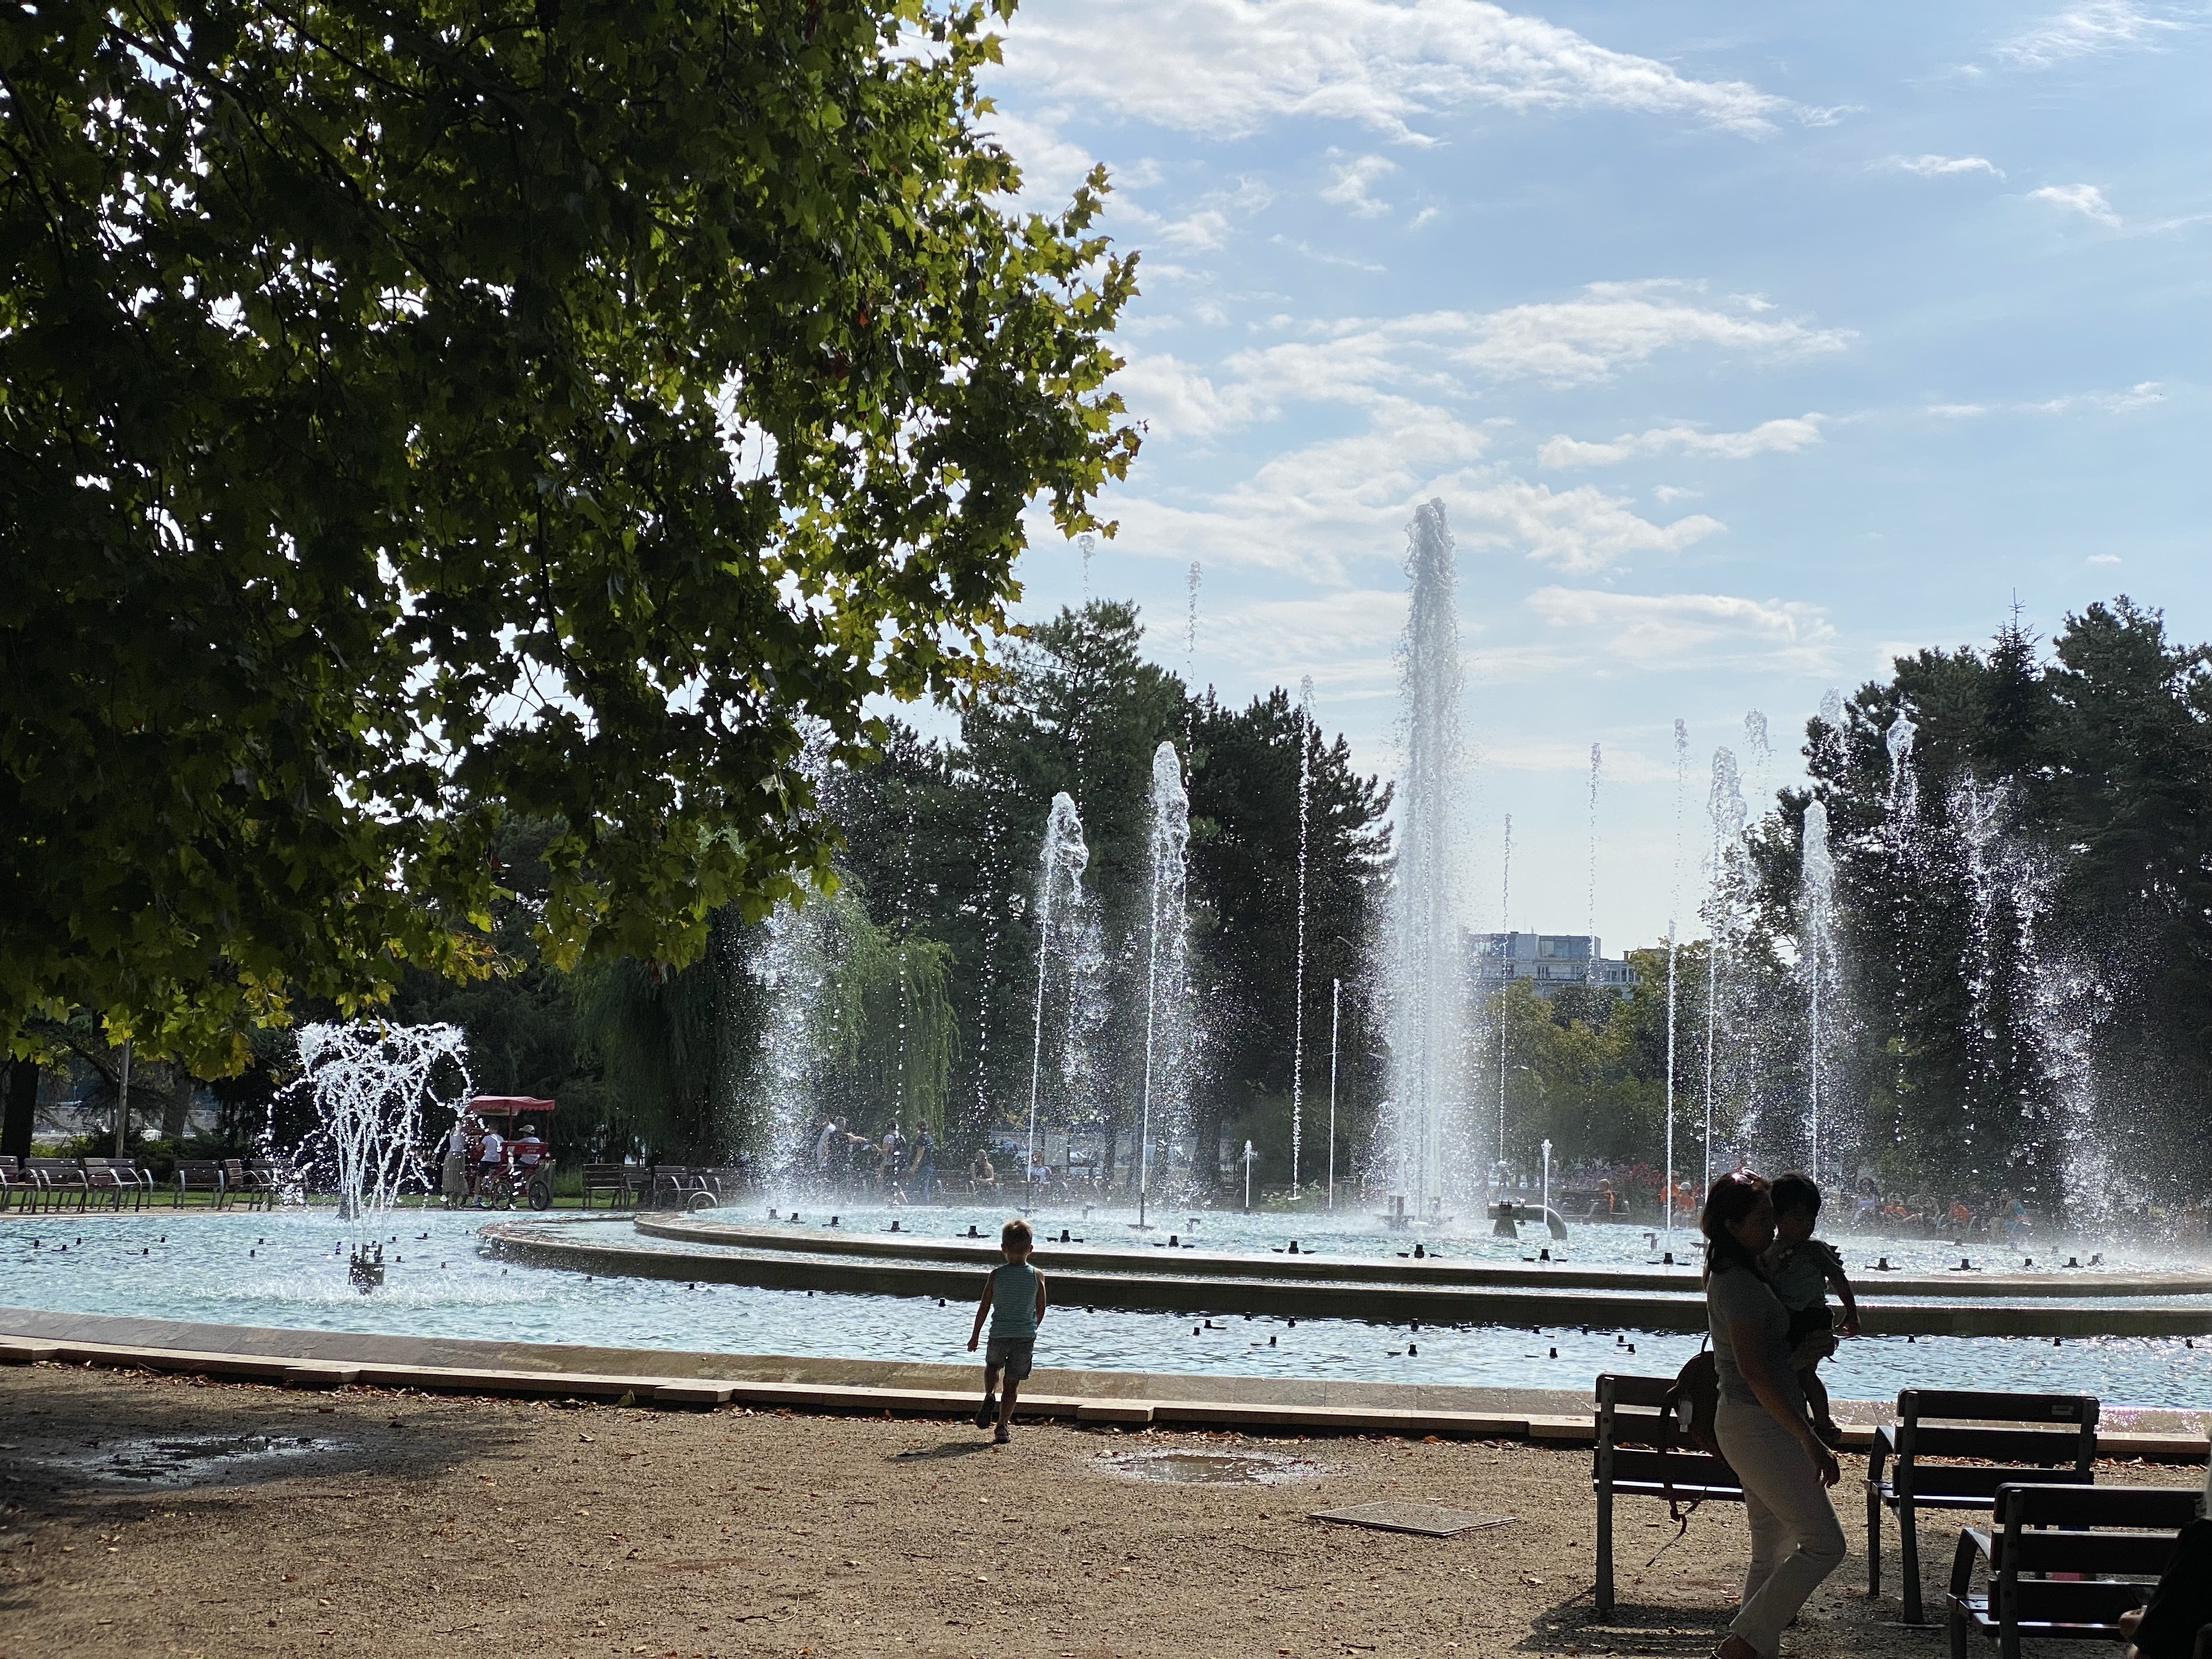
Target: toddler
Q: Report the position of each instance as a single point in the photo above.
(1013, 1296)
(1802, 1267)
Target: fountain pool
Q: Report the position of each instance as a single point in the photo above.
(287, 1269)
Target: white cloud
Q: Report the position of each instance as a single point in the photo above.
(2085, 199)
(1690, 630)
(1608, 327)
(1667, 493)
(1052, 165)
(1785, 435)
(2093, 28)
(2141, 395)
(1940, 166)
(1280, 634)
(1355, 179)
(1231, 67)
(2104, 558)
(1308, 510)
(1620, 324)
(1579, 530)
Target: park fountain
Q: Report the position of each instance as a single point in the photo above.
(2037, 1009)
(1167, 998)
(1726, 813)
(1590, 968)
(1674, 936)
(1306, 739)
(378, 1090)
(1062, 936)
(1816, 956)
(1427, 1127)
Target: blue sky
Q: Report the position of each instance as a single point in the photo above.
(1745, 347)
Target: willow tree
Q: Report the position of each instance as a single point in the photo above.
(881, 1031)
(418, 413)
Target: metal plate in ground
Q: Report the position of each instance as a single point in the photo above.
(1401, 1514)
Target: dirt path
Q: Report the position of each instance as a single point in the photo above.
(414, 1525)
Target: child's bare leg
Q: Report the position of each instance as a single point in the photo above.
(990, 1388)
(1006, 1402)
(1816, 1395)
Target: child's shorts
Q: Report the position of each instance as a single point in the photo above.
(1812, 1335)
(1011, 1354)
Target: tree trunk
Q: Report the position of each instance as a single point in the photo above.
(22, 1109)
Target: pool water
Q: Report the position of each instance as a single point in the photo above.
(1347, 1234)
(287, 1269)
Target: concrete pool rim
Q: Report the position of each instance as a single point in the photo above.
(1398, 1293)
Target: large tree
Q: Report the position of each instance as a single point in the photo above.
(417, 414)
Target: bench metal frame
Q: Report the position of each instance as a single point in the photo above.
(2049, 1576)
(1639, 1453)
(2063, 1453)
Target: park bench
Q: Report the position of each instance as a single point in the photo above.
(1985, 1441)
(617, 1181)
(1640, 1451)
(19, 1187)
(240, 1182)
(117, 1180)
(62, 1178)
(265, 1181)
(2064, 1562)
(671, 1184)
(196, 1176)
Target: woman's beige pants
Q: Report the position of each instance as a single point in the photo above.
(1795, 1539)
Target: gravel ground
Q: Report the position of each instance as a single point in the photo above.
(366, 1522)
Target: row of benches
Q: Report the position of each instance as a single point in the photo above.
(55, 1182)
(661, 1187)
(2060, 1557)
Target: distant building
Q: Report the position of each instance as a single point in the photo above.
(1546, 962)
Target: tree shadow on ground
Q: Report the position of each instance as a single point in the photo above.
(74, 1459)
(944, 1449)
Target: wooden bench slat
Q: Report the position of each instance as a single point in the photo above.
(1976, 1405)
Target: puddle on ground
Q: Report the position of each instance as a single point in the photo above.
(1249, 1467)
(184, 1463)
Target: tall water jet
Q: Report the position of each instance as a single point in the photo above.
(1591, 967)
(1335, 1021)
(1427, 1119)
(1816, 956)
(1752, 1033)
(1725, 813)
(1305, 727)
(373, 1085)
(2037, 1011)
(1167, 1010)
(1673, 931)
(1506, 927)
(1190, 660)
(1060, 864)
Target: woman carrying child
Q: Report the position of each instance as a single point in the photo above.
(1764, 1429)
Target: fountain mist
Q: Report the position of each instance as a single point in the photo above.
(1060, 864)
(1167, 1001)
(373, 1085)
(1427, 1131)
(1305, 727)
(1726, 812)
(1673, 931)
(1816, 956)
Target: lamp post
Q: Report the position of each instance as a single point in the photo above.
(123, 1099)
